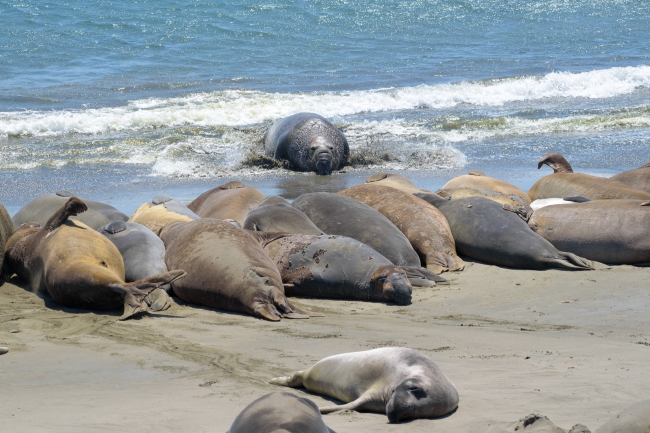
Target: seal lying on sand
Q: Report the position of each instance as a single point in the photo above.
(400, 382)
(607, 231)
(232, 200)
(484, 231)
(227, 269)
(564, 182)
(160, 211)
(639, 178)
(633, 419)
(396, 181)
(513, 203)
(280, 412)
(77, 266)
(425, 227)
(335, 267)
(6, 230)
(309, 142)
(275, 214)
(478, 180)
(40, 209)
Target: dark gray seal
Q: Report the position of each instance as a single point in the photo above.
(485, 231)
(400, 382)
(309, 142)
(280, 412)
(275, 214)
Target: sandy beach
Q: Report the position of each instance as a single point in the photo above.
(570, 345)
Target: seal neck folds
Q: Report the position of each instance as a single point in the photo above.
(320, 154)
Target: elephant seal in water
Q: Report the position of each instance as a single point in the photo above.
(275, 214)
(160, 211)
(484, 231)
(39, 210)
(396, 181)
(633, 419)
(144, 256)
(309, 142)
(478, 180)
(607, 231)
(639, 178)
(425, 227)
(232, 200)
(6, 230)
(77, 266)
(400, 382)
(227, 269)
(564, 182)
(336, 267)
(280, 412)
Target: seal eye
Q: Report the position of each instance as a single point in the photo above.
(313, 147)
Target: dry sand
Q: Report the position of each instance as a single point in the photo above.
(573, 346)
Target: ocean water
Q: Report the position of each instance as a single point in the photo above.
(122, 100)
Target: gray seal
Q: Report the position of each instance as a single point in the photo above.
(308, 142)
(400, 382)
(633, 419)
(639, 178)
(275, 214)
(280, 412)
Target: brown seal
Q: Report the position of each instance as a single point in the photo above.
(78, 266)
(232, 200)
(512, 203)
(425, 227)
(478, 180)
(6, 230)
(639, 178)
(160, 211)
(564, 182)
(396, 181)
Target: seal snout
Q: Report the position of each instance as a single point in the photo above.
(398, 288)
(321, 153)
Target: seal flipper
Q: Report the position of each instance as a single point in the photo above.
(158, 300)
(293, 381)
(135, 292)
(356, 405)
(74, 206)
(571, 261)
(557, 162)
(576, 199)
(417, 274)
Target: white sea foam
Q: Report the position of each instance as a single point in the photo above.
(243, 107)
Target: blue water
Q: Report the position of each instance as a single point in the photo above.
(102, 94)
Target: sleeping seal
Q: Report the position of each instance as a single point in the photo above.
(309, 142)
(160, 211)
(633, 419)
(479, 180)
(232, 200)
(275, 214)
(639, 178)
(400, 382)
(280, 412)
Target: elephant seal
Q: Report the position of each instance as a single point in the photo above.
(513, 203)
(484, 231)
(335, 267)
(227, 269)
(543, 202)
(424, 226)
(335, 214)
(6, 230)
(564, 182)
(400, 382)
(280, 412)
(639, 178)
(478, 180)
(39, 209)
(396, 181)
(144, 256)
(232, 200)
(633, 419)
(607, 231)
(77, 266)
(275, 214)
(308, 142)
(160, 211)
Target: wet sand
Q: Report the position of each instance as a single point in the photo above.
(570, 345)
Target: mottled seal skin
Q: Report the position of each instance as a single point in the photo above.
(484, 231)
(309, 142)
(633, 419)
(77, 266)
(144, 256)
(400, 382)
(280, 412)
(607, 231)
(160, 211)
(336, 267)
(396, 181)
(564, 182)
(639, 178)
(425, 227)
(6, 230)
(478, 180)
(275, 214)
(227, 269)
(40, 209)
(335, 214)
(232, 200)
(512, 203)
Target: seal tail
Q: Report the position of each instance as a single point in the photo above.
(422, 277)
(572, 262)
(135, 292)
(438, 262)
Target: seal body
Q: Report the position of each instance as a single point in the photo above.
(6, 230)
(280, 412)
(338, 215)
(400, 382)
(484, 231)
(633, 419)
(514, 202)
(275, 214)
(608, 231)
(478, 180)
(425, 226)
(309, 142)
(227, 269)
(76, 265)
(232, 200)
(160, 211)
(336, 267)
(396, 181)
(639, 178)
(40, 209)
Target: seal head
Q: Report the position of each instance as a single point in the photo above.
(392, 282)
(416, 398)
(321, 156)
